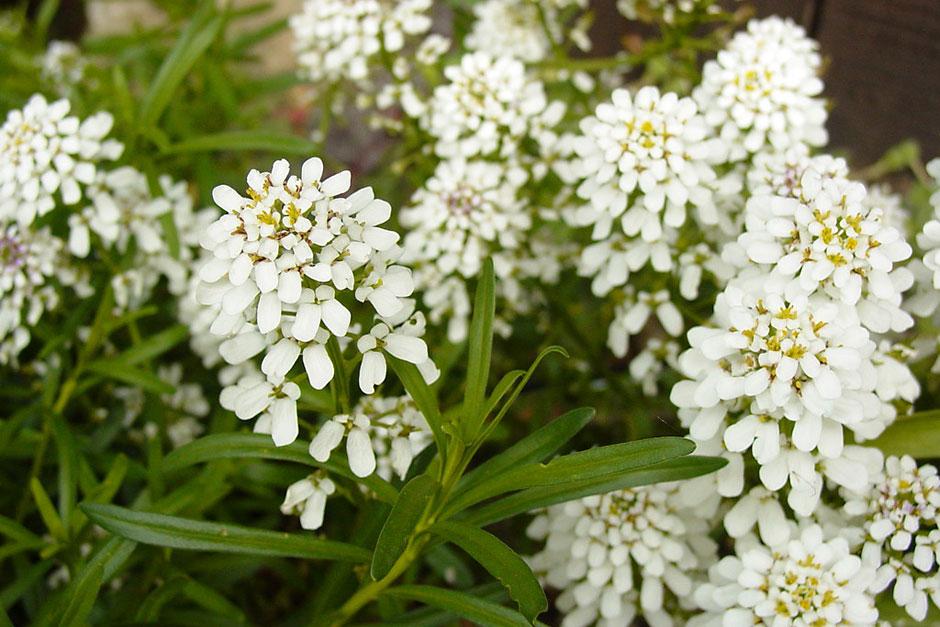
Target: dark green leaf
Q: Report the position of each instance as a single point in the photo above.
(462, 604)
(401, 523)
(83, 590)
(130, 375)
(260, 446)
(533, 448)
(480, 349)
(67, 451)
(192, 44)
(583, 465)
(543, 496)
(182, 533)
(47, 511)
(500, 561)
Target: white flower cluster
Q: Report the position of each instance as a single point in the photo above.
(123, 210)
(810, 580)
(762, 91)
(929, 238)
(28, 264)
(902, 536)
(520, 28)
(487, 107)
(339, 39)
(183, 408)
(666, 10)
(63, 66)
(623, 554)
(284, 258)
(49, 155)
(382, 435)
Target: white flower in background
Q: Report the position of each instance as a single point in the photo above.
(643, 160)
(781, 173)
(487, 107)
(650, 363)
(830, 238)
(63, 66)
(621, 555)
(463, 214)
(768, 359)
(632, 313)
(809, 580)
(381, 434)
(282, 259)
(929, 238)
(307, 497)
(693, 265)
(514, 28)
(187, 404)
(30, 261)
(613, 260)
(666, 10)
(762, 91)
(897, 388)
(900, 520)
(47, 155)
(336, 40)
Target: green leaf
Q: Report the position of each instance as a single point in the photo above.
(500, 561)
(154, 346)
(580, 466)
(182, 533)
(132, 376)
(15, 531)
(47, 511)
(192, 44)
(401, 523)
(422, 395)
(544, 496)
(480, 348)
(460, 603)
(917, 436)
(250, 140)
(83, 590)
(533, 448)
(67, 451)
(260, 446)
(545, 352)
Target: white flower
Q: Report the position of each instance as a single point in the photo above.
(650, 363)
(46, 155)
(30, 264)
(828, 237)
(619, 555)
(762, 508)
(644, 160)
(762, 91)
(307, 497)
(339, 39)
(63, 66)
(487, 107)
(807, 581)
(276, 404)
(900, 519)
(379, 340)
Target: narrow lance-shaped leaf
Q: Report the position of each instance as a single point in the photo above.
(191, 45)
(535, 447)
(917, 435)
(465, 605)
(260, 446)
(401, 523)
(182, 533)
(544, 496)
(479, 348)
(280, 143)
(500, 561)
(583, 465)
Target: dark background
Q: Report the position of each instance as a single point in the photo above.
(882, 60)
